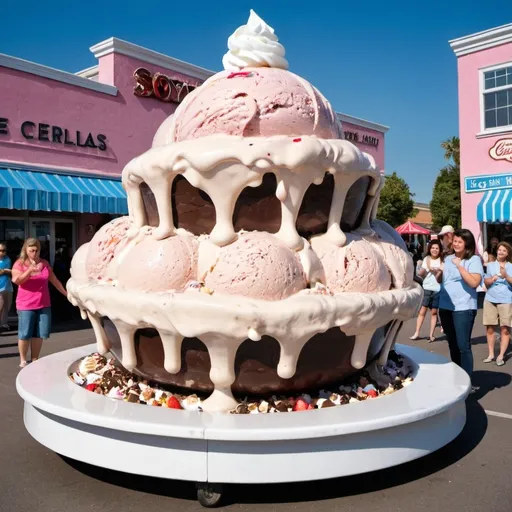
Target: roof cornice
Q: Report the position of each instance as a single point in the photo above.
(55, 74)
(114, 45)
(362, 122)
(482, 40)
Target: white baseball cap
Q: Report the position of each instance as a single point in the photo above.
(446, 229)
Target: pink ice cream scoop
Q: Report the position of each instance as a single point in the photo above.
(78, 263)
(159, 265)
(254, 102)
(105, 246)
(355, 267)
(396, 257)
(257, 265)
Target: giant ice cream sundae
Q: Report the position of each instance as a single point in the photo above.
(251, 261)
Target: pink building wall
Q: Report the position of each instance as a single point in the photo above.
(128, 121)
(377, 152)
(474, 145)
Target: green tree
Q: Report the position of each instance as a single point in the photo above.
(396, 204)
(445, 205)
(452, 149)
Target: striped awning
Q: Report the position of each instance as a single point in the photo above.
(41, 191)
(495, 206)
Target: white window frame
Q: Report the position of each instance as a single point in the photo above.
(488, 132)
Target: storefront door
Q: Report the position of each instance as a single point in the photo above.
(57, 237)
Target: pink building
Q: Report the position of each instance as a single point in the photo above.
(484, 63)
(65, 138)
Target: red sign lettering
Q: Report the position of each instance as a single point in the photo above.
(160, 86)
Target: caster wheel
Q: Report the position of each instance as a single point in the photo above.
(209, 495)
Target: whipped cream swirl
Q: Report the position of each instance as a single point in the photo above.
(254, 45)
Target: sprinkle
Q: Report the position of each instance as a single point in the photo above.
(297, 140)
(236, 74)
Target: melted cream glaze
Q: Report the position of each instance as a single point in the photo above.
(223, 165)
(227, 321)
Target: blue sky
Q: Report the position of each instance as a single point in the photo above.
(385, 61)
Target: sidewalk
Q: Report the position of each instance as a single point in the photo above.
(471, 474)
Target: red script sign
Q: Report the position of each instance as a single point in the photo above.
(502, 150)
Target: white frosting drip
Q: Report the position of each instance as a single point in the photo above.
(391, 336)
(358, 359)
(254, 45)
(292, 322)
(223, 165)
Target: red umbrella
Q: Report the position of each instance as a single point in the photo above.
(409, 228)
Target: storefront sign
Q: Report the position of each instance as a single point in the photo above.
(502, 150)
(361, 139)
(489, 182)
(160, 86)
(56, 135)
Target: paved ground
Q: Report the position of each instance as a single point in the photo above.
(473, 473)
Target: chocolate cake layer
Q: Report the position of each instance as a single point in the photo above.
(324, 359)
(257, 208)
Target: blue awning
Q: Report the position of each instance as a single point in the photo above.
(495, 206)
(41, 191)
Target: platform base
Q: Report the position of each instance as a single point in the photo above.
(223, 448)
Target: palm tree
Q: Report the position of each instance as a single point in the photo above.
(452, 149)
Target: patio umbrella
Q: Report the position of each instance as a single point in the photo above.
(409, 228)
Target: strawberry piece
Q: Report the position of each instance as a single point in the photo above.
(297, 140)
(172, 403)
(301, 405)
(372, 393)
(91, 387)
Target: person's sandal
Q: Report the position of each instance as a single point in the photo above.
(500, 362)
(23, 364)
(414, 337)
(432, 339)
(488, 360)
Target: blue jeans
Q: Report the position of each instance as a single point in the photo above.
(457, 326)
(34, 323)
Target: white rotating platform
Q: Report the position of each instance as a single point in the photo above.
(225, 448)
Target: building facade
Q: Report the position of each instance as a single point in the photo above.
(65, 138)
(484, 64)
(423, 216)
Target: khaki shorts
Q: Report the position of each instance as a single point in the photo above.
(495, 314)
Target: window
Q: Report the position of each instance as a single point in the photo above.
(497, 90)
(12, 233)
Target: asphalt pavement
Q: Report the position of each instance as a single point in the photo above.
(473, 473)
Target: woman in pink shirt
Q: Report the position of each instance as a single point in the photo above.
(32, 274)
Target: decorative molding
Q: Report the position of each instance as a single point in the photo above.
(90, 73)
(482, 40)
(55, 74)
(21, 166)
(362, 122)
(495, 132)
(114, 45)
